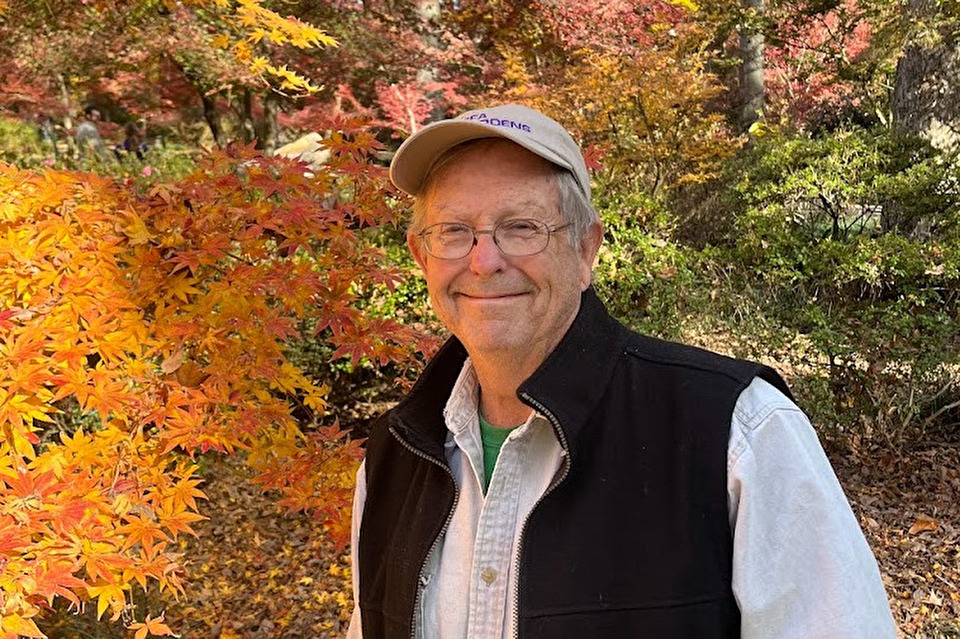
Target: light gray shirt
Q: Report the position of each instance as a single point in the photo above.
(801, 566)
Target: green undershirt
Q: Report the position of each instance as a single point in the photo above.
(492, 438)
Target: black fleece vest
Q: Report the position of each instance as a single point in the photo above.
(634, 540)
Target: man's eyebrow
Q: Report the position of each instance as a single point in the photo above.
(519, 207)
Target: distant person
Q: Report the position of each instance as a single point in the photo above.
(47, 133)
(134, 141)
(87, 135)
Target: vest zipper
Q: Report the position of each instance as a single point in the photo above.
(443, 531)
(523, 528)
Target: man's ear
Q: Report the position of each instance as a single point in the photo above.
(415, 244)
(589, 245)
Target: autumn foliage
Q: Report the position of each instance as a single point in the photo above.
(139, 327)
(630, 79)
(820, 62)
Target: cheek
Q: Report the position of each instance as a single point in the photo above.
(438, 279)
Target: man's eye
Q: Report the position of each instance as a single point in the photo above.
(521, 227)
(454, 233)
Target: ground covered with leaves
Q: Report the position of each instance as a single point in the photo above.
(908, 503)
(257, 572)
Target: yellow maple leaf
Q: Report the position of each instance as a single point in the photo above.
(136, 230)
(109, 595)
(21, 626)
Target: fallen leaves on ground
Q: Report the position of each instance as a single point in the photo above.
(909, 508)
(256, 572)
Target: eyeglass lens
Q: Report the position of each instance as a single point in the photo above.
(514, 237)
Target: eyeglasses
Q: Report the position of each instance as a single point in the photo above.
(516, 238)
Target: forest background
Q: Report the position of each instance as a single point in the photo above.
(195, 317)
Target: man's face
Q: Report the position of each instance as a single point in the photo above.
(494, 303)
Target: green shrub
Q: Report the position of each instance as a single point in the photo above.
(22, 146)
(853, 242)
(646, 279)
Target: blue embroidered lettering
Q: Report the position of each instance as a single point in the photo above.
(499, 122)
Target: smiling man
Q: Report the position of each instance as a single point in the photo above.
(553, 474)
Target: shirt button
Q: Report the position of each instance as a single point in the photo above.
(488, 575)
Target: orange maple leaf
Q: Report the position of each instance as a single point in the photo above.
(150, 626)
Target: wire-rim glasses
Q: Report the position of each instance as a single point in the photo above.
(516, 238)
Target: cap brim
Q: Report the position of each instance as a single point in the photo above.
(419, 152)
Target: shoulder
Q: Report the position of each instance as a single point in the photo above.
(768, 423)
(676, 354)
(759, 400)
(698, 364)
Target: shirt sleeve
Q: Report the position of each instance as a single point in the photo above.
(359, 498)
(802, 568)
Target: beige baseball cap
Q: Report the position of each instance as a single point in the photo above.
(527, 127)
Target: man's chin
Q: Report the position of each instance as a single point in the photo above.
(496, 340)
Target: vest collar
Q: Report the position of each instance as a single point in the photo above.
(574, 377)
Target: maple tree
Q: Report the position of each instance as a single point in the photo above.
(823, 63)
(141, 328)
(162, 61)
(147, 321)
(820, 61)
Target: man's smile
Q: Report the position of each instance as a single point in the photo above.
(491, 297)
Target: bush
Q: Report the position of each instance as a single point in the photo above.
(646, 279)
(21, 146)
(852, 241)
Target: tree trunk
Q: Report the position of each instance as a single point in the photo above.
(751, 68)
(212, 118)
(429, 13)
(270, 131)
(210, 113)
(67, 104)
(926, 96)
(246, 118)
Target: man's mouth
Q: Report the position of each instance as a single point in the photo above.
(490, 296)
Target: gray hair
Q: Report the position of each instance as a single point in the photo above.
(575, 208)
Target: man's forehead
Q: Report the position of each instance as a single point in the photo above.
(475, 152)
(453, 206)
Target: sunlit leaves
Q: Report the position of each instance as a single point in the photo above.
(149, 627)
(259, 25)
(160, 322)
(657, 129)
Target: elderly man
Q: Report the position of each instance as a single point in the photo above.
(553, 474)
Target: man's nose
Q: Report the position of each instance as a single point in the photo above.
(486, 257)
